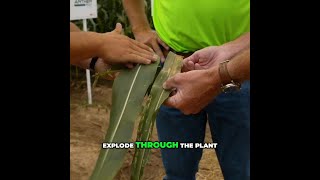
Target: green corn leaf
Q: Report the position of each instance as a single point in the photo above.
(158, 95)
(128, 92)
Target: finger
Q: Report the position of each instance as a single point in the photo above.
(129, 65)
(184, 69)
(146, 49)
(146, 54)
(163, 44)
(187, 66)
(197, 66)
(158, 51)
(190, 65)
(194, 58)
(170, 83)
(118, 28)
(135, 58)
(142, 46)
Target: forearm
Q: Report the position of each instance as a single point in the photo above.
(237, 45)
(84, 45)
(83, 63)
(135, 10)
(239, 66)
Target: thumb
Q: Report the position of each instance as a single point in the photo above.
(170, 83)
(188, 66)
(197, 66)
(118, 28)
(194, 58)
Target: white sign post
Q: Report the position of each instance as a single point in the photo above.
(84, 9)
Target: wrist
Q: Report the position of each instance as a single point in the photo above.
(233, 48)
(103, 40)
(227, 83)
(141, 29)
(213, 76)
(230, 72)
(93, 43)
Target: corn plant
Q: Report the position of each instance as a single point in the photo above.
(157, 96)
(128, 92)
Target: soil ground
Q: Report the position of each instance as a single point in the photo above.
(88, 125)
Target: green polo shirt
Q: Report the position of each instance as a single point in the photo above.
(190, 25)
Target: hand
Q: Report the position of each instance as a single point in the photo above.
(151, 38)
(206, 58)
(119, 48)
(193, 90)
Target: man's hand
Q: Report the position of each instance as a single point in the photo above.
(151, 38)
(206, 58)
(213, 55)
(118, 48)
(135, 9)
(193, 90)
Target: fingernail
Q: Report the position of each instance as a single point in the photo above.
(164, 86)
(155, 57)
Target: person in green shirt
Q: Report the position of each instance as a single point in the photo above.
(185, 26)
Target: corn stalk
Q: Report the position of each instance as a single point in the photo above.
(157, 96)
(128, 93)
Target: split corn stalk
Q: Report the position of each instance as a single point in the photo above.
(158, 95)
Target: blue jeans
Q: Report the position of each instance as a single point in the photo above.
(229, 120)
